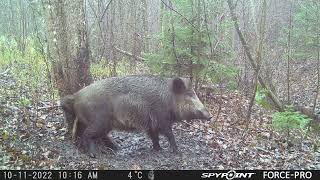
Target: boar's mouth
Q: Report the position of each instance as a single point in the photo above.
(204, 115)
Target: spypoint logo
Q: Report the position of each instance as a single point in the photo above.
(228, 175)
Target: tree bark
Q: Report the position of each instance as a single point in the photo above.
(289, 53)
(70, 48)
(318, 64)
(173, 41)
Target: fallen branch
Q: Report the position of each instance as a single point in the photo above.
(308, 111)
(129, 54)
(5, 72)
(263, 150)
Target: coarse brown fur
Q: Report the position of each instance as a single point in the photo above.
(138, 102)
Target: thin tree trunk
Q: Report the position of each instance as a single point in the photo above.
(196, 77)
(174, 51)
(192, 47)
(318, 64)
(272, 96)
(259, 56)
(112, 41)
(207, 27)
(134, 35)
(145, 26)
(289, 53)
(22, 40)
(318, 82)
(246, 69)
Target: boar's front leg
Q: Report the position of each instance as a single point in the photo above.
(154, 135)
(167, 131)
(93, 131)
(89, 135)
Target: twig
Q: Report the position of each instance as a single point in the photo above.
(182, 129)
(105, 10)
(105, 151)
(263, 150)
(5, 72)
(48, 107)
(186, 19)
(129, 54)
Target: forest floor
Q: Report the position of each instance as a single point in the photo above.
(34, 137)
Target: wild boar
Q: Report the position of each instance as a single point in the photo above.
(137, 102)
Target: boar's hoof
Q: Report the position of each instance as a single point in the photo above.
(156, 148)
(92, 155)
(92, 150)
(175, 150)
(108, 142)
(113, 146)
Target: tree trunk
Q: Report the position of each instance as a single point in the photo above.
(71, 60)
(173, 41)
(272, 96)
(289, 53)
(259, 56)
(112, 43)
(145, 26)
(318, 64)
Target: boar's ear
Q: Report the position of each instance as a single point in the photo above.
(178, 86)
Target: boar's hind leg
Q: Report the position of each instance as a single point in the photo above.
(169, 134)
(154, 135)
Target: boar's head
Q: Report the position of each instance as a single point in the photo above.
(188, 105)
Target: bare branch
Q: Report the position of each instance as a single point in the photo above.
(105, 10)
(186, 19)
(129, 54)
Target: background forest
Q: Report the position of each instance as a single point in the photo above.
(254, 63)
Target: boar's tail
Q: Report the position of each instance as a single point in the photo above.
(67, 106)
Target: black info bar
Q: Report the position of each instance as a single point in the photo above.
(157, 174)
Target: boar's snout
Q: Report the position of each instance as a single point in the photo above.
(204, 114)
(201, 111)
(207, 115)
(188, 104)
